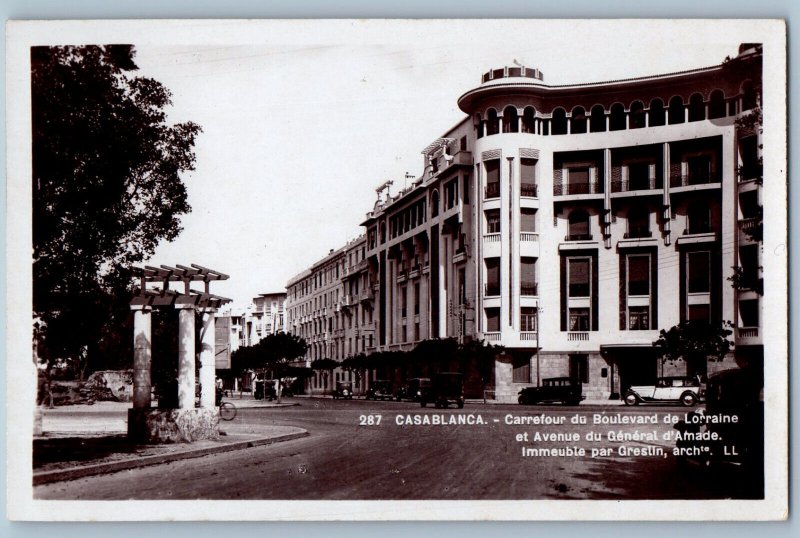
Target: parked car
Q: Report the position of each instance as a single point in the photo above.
(719, 441)
(554, 389)
(413, 389)
(446, 387)
(344, 390)
(380, 390)
(675, 389)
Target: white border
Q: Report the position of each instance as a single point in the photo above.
(21, 374)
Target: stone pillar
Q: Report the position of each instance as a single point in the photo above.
(142, 356)
(185, 356)
(207, 365)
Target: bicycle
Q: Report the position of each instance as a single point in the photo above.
(227, 411)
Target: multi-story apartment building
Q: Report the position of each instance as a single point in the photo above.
(330, 306)
(570, 224)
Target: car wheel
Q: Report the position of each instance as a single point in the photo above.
(688, 399)
(631, 399)
(423, 403)
(522, 400)
(461, 404)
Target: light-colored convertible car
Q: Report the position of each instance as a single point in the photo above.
(685, 390)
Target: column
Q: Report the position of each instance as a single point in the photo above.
(207, 364)
(443, 260)
(185, 356)
(142, 355)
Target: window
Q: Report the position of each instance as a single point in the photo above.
(699, 312)
(638, 176)
(676, 113)
(527, 319)
(492, 122)
(637, 115)
(617, 117)
(698, 272)
(638, 223)
(527, 220)
(493, 276)
(403, 302)
(748, 313)
(699, 169)
(749, 97)
(527, 177)
(435, 204)
(697, 108)
(492, 319)
(716, 105)
(416, 299)
(465, 192)
(638, 318)
(522, 368)
(493, 221)
(528, 120)
(698, 215)
(578, 180)
(579, 368)
(639, 275)
(492, 178)
(579, 284)
(528, 276)
(748, 153)
(579, 226)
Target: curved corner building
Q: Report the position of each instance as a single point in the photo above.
(570, 224)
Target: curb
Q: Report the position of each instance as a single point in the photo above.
(74, 473)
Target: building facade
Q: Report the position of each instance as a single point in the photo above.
(569, 224)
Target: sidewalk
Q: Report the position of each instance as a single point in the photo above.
(84, 440)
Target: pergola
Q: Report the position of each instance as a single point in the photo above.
(155, 292)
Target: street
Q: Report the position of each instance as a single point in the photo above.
(398, 450)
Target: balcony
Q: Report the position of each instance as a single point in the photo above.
(750, 173)
(460, 255)
(529, 236)
(528, 189)
(588, 187)
(492, 336)
(749, 225)
(632, 185)
(640, 233)
(401, 276)
(414, 273)
(491, 238)
(747, 332)
(692, 179)
(492, 190)
(578, 237)
(528, 336)
(578, 336)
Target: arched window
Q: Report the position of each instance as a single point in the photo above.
(492, 122)
(749, 98)
(657, 116)
(597, 121)
(638, 223)
(510, 120)
(617, 120)
(676, 113)
(579, 226)
(478, 125)
(716, 105)
(435, 204)
(697, 108)
(637, 118)
(529, 120)
(559, 122)
(698, 217)
(578, 120)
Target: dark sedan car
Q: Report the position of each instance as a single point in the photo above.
(554, 389)
(380, 390)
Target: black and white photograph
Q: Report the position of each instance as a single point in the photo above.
(359, 269)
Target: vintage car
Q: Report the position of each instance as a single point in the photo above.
(380, 390)
(446, 388)
(554, 389)
(730, 433)
(413, 389)
(676, 389)
(344, 390)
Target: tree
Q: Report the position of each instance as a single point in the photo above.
(696, 342)
(326, 365)
(106, 190)
(271, 354)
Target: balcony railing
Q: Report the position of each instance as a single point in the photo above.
(685, 180)
(748, 332)
(528, 335)
(589, 187)
(577, 336)
(578, 237)
(492, 190)
(529, 236)
(492, 336)
(749, 224)
(528, 290)
(491, 238)
(634, 185)
(528, 189)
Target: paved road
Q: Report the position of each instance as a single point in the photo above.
(346, 457)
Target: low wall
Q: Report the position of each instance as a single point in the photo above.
(162, 426)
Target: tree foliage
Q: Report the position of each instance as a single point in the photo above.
(274, 352)
(106, 189)
(695, 340)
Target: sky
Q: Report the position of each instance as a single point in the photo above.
(303, 120)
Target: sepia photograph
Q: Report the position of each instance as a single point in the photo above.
(359, 269)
